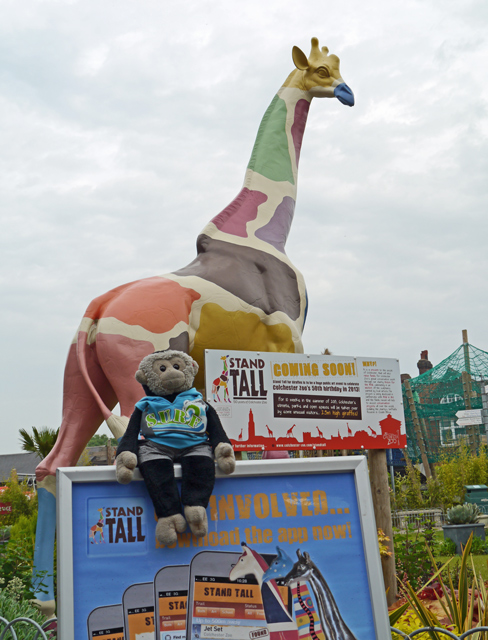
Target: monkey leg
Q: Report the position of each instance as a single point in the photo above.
(160, 481)
(161, 485)
(198, 478)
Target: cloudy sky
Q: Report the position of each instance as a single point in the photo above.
(126, 126)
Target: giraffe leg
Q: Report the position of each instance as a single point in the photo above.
(119, 358)
(81, 418)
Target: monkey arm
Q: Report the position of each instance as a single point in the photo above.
(215, 430)
(220, 443)
(126, 460)
(128, 442)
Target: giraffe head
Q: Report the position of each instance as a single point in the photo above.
(319, 74)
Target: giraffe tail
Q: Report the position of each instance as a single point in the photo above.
(86, 334)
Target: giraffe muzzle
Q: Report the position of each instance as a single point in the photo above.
(344, 94)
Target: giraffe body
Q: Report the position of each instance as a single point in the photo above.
(241, 292)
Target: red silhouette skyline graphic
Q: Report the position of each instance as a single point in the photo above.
(389, 438)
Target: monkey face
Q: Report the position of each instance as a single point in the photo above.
(166, 372)
(171, 373)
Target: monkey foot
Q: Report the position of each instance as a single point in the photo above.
(167, 528)
(197, 519)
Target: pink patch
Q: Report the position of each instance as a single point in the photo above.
(298, 127)
(234, 218)
(259, 559)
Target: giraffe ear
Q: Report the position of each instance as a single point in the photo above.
(300, 59)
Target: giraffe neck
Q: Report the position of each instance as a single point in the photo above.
(328, 610)
(262, 213)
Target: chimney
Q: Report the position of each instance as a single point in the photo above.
(424, 364)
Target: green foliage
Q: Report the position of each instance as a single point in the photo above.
(457, 469)
(15, 494)
(447, 548)
(408, 622)
(412, 562)
(479, 546)
(4, 535)
(463, 514)
(41, 441)
(459, 604)
(101, 440)
(23, 534)
(408, 490)
(14, 605)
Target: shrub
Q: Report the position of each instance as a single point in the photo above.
(16, 557)
(466, 513)
(14, 605)
(457, 469)
(412, 560)
(408, 489)
(447, 548)
(479, 547)
(409, 622)
(15, 494)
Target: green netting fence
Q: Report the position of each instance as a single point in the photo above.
(437, 395)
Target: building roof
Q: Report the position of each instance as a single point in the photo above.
(23, 463)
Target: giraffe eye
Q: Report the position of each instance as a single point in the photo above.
(323, 72)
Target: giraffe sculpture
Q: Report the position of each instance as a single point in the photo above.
(241, 292)
(332, 621)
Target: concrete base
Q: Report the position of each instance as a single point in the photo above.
(459, 533)
(46, 607)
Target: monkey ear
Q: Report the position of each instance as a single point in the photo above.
(141, 376)
(194, 366)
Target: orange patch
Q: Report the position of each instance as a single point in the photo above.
(156, 304)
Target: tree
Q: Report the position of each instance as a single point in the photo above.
(41, 442)
(101, 440)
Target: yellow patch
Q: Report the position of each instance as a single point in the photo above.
(237, 331)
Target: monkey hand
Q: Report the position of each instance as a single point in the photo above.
(224, 455)
(126, 462)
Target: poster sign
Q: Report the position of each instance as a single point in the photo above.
(269, 523)
(286, 401)
(5, 507)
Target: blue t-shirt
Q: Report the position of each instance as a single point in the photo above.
(181, 423)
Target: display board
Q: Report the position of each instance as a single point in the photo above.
(286, 401)
(270, 516)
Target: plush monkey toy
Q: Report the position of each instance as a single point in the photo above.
(173, 423)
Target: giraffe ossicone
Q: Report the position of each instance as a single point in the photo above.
(241, 292)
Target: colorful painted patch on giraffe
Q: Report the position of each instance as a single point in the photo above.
(308, 621)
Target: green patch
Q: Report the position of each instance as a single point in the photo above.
(271, 156)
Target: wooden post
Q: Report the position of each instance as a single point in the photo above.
(468, 394)
(417, 428)
(378, 477)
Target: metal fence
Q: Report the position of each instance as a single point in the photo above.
(9, 633)
(445, 632)
(401, 519)
(17, 629)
